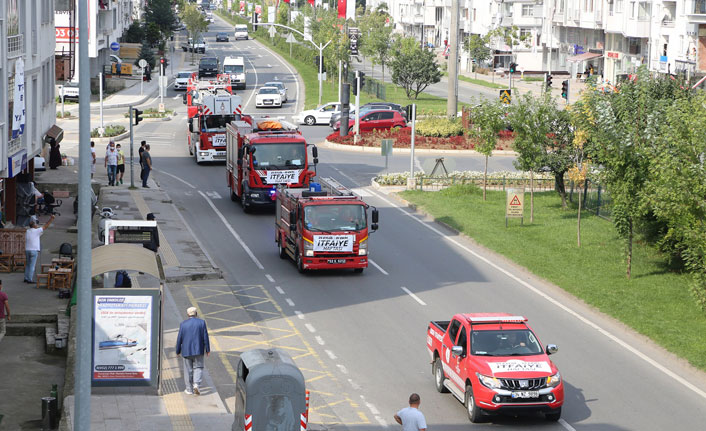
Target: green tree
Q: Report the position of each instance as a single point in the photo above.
(152, 34)
(147, 54)
(487, 120)
(283, 14)
(414, 69)
(159, 13)
(477, 48)
(134, 34)
(376, 37)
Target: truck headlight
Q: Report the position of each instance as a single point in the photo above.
(363, 248)
(203, 153)
(308, 249)
(553, 381)
(488, 381)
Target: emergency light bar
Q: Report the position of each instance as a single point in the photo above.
(496, 319)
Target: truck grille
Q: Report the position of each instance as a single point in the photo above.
(321, 254)
(523, 384)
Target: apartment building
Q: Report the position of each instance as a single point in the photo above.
(107, 20)
(27, 106)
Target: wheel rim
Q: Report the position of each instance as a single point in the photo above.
(310, 121)
(439, 376)
(471, 403)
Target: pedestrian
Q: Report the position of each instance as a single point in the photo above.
(121, 165)
(4, 311)
(93, 158)
(33, 246)
(111, 162)
(54, 156)
(139, 155)
(410, 417)
(147, 165)
(148, 72)
(192, 343)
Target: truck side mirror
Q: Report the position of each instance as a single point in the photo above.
(292, 220)
(552, 348)
(376, 215)
(374, 226)
(457, 350)
(315, 152)
(251, 150)
(191, 124)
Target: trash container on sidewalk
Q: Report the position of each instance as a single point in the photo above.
(49, 413)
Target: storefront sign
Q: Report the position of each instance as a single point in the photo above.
(18, 107)
(16, 163)
(614, 55)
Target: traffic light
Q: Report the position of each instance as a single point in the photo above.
(163, 65)
(513, 67)
(137, 114)
(361, 76)
(565, 89)
(354, 86)
(549, 82)
(318, 59)
(408, 111)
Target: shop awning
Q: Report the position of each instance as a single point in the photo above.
(583, 57)
(114, 257)
(55, 134)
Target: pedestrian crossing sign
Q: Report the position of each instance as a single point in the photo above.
(514, 204)
(506, 96)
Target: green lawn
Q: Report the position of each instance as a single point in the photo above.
(656, 302)
(425, 103)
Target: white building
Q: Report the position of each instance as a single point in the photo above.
(27, 78)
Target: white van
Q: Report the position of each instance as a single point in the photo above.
(235, 67)
(241, 32)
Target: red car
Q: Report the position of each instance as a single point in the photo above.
(494, 363)
(376, 120)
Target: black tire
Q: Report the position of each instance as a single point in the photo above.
(244, 202)
(358, 270)
(439, 377)
(554, 416)
(282, 249)
(310, 120)
(475, 413)
(300, 263)
(233, 196)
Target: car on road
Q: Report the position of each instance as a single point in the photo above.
(208, 67)
(198, 46)
(494, 363)
(280, 86)
(268, 97)
(70, 91)
(241, 32)
(221, 36)
(181, 80)
(320, 115)
(370, 106)
(376, 119)
(235, 67)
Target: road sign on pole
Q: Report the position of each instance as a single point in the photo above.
(506, 96)
(115, 47)
(273, 32)
(514, 207)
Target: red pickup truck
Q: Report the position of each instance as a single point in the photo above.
(494, 363)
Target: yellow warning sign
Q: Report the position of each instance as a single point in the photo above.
(515, 202)
(506, 96)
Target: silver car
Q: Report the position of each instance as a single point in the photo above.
(280, 86)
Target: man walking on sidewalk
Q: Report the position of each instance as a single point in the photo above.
(111, 163)
(147, 165)
(139, 153)
(410, 417)
(32, 246)
(121, 165)
(4, 311)
(191, 344)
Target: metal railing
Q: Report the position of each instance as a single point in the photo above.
(595, 198)
(15, 46)
(494, 183)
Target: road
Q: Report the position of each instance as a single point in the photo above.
(360, 338)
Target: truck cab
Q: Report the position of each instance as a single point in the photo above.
(494, 363)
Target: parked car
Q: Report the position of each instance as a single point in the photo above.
(268, 97)
(70, 91)
(241, 32)
(222, 37)
(370, 106)
(198, 46)
(208, 67)
(182, 80)
(377, 120)
(280, 86)
(320, 115)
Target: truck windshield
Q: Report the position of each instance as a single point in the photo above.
(285, 155)
(330, 218)
(233, 68)
(505, 343)
(217, 123)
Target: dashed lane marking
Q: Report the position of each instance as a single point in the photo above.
(269, 278)
(415, 297)
(310, 327)
(289, 302)
(378, 266)
(279, 289)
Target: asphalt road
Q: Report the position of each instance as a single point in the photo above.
(367, 333)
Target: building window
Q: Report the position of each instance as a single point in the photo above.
(634, 46)
(561, 6)
(618, 6)
(526, 36)
(527, 10)
(644, 11)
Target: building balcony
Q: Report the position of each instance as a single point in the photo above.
(668, 23)
(15, 46)
(698, 13)
(527, 21)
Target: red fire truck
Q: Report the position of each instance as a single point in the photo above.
(261, 154)
(210, 106)
(323, 229)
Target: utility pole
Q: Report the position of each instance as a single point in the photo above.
(357, 106)
(452, 100)
(100, 90)
(84, 303)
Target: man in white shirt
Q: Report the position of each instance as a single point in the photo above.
(111, 163)
(410, 417)
(32, 246)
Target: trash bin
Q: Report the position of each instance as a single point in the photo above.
(49, 413)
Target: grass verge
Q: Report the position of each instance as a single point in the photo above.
(655, 302)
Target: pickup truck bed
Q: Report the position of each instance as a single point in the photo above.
(442, 325)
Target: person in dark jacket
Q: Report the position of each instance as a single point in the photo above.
(192, 343)
(54, 156)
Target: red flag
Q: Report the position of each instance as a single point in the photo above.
(311, 2)
(342, 9)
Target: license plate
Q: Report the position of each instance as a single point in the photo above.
(525, 394)
(268, 102)
(336, 261)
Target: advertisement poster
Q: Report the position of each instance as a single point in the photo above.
(122, 337)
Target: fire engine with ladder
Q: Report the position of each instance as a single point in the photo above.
(323, 227)
(211, 105)
(262, 154)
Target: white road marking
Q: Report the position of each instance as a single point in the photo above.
(269, 278)
(177, 97)
(269, 65)
(175, 177)
(378, 266)
(566, 425)
(252, 66)
(233, 232)
(310, 327)
(330, 354)
(279, 289)
(355, 385)
(415, 297)
(342, 368)
(290, 302)
(320, 340)
(566, 308)
(213, 195)
(299, 314)
(362, 192)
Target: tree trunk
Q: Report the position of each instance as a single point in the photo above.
(578, 225)
(559, 187)
(630, 232)
(485, 176)
(531, 195)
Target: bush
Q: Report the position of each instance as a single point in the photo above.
(111, 130)
(439, 127)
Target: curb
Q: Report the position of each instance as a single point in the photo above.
(213, 274)
(361, 148)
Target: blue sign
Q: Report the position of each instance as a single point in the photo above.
(16, 163)
(578, 49)
(663, 58)
(115, 46)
